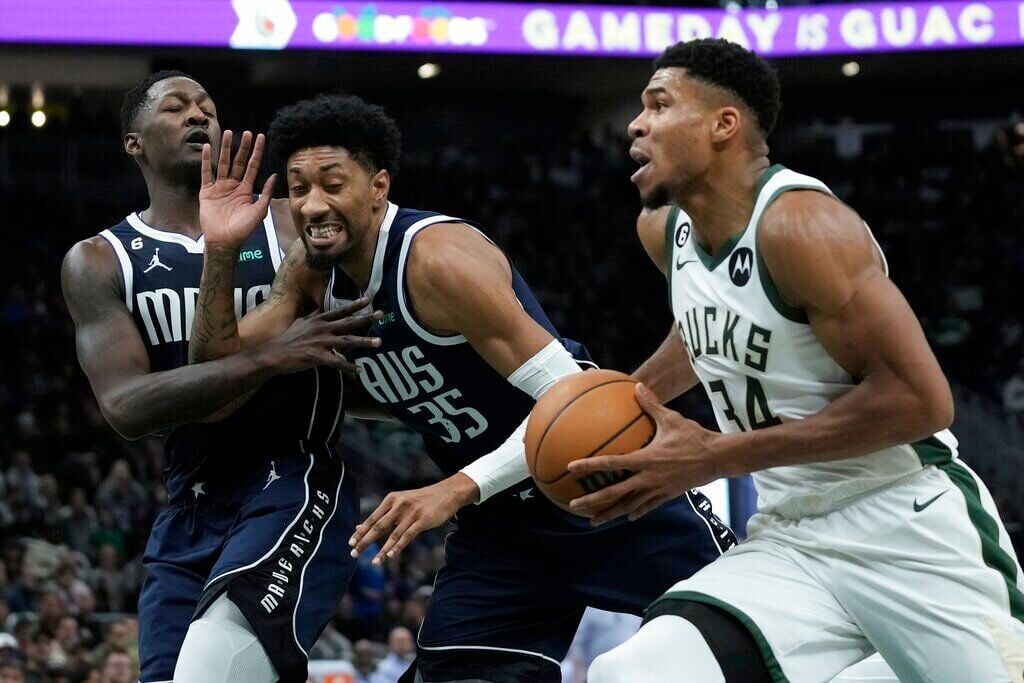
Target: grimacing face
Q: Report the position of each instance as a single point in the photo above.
(671, 136)
(332, 199)
(177, 118)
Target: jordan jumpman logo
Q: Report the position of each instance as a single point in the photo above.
(155, 261)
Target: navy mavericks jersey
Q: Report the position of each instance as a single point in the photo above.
(160, 272)
(437, 385)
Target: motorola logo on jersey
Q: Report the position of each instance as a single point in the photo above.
(167, 314)
(741, 264)
(683, 233)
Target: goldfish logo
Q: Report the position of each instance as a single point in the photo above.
(434, 25)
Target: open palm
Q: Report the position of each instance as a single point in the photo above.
(227, 212)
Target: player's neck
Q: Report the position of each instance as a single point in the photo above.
(358, 263)
(174, 208)
(721, 203)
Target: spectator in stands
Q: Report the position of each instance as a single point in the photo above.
(21, 478)
(363, 661)
(11, 673)
(113, 585)
(78, 522)
(118, 639)
(118, 667)
(37, 655)
(51, 608)
(123, 498)
(332, 645)
(1013, 394)
(76, 593)
(402, 650)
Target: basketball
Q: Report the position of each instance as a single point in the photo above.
(586, 414)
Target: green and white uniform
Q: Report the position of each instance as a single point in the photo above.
(899, 550)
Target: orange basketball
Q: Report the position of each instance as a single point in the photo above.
(586, 414)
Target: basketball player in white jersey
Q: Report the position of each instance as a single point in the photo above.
(871, 534)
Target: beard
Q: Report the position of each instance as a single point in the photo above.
(320, 262)
(656, 198)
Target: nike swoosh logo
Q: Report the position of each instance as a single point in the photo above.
(918, 508)
(680, 264)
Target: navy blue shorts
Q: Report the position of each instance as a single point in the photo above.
(277, 544)
(508, 601)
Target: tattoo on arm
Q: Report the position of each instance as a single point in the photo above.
(215, 328)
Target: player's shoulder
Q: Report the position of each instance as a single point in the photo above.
(651, 226)
(90, 268)
(807, 219)
(452, 254)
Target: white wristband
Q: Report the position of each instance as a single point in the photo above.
(505, 466)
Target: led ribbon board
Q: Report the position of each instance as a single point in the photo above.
(469, 27)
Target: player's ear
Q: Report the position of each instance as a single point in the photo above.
(725, 124)
(380, 185)
(132, 144)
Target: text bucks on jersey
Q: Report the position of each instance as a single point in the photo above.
(762, 365)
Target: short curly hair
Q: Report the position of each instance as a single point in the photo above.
(135, 98)
(734, 68)
(365, 130)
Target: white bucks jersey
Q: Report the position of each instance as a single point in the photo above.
(761, 364)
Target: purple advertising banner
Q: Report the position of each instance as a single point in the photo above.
(469, 27)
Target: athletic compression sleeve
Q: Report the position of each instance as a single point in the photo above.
(505, 466)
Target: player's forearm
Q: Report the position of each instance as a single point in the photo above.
(215, 328)
(157, 401)
(870, 417)
(668, 372)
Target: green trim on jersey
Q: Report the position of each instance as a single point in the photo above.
(931, 451)
(791, 313)
(711, 261)
(670, 242)
(988, 530)
(762, 643)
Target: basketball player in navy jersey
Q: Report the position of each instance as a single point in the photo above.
(235, 488)
(465, 349)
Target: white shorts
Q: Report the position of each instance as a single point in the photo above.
(922, 571)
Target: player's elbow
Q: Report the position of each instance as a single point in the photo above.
(117, 411)
(932, 409)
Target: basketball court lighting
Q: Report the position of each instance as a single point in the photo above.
(38, 95)
(38, 118)
(428, 70)
(5, 95)
(851, 69)
(5, 118)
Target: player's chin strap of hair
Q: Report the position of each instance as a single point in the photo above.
(505, 466)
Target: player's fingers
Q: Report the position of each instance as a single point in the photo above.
(344, 310)
(642, 508)
(406, 538)
(650, 403)
(352, 341)
(253, 167)
(391, 547)
(206, 167)
(352, 323)
(623, 507)
(367, 524)
(238, 166)
(596, 502)
(333, 359)
(224, 161)
(372, 531)
(595, 463)
(267, 194)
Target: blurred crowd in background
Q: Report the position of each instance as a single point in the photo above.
(76, 501)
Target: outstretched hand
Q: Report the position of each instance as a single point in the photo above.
(676, 460)
(227, 212)
(403, 515)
